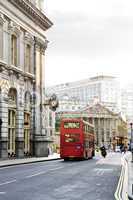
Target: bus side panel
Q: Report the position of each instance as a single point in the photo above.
(88, 146)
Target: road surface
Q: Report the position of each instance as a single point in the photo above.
(94, 179)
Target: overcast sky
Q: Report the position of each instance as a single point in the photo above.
(88, 38)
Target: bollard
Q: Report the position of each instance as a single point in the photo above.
(132, 189)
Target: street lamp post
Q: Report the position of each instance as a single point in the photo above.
(0, 126)
(131, 125)
(110, 142)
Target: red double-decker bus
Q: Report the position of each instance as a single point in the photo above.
(76, 139)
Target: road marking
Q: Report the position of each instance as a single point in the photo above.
(28, 164)
(55, 168)
(44, 172)
(35, 174)
(2, 193)
(100, 171)
(98, 184)
(8, 182)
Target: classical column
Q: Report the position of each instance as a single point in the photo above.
(40, 140)
(96, 130)
(38, 86)
(4, 128)
(99, 132)
(1, 35)
(110, 127)
(104, 130)
(20, 127)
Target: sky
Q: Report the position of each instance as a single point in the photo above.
(89, 38)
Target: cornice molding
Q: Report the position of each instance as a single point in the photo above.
(33, 13)
(40, 44)
(2, 20)
(17, 71)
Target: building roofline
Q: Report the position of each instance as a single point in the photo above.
(31, 11)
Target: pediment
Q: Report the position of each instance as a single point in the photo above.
(98, 109)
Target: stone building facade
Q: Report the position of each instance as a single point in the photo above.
(110, 128)
(22, 55)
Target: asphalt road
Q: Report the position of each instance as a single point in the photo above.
(94, 179)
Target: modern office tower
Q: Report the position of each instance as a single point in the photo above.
(102, 89)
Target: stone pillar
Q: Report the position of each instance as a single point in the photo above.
(96, 130)
(99, 132)
(20, 131)
(41, 146)
(104, 130)
(39, 139)
(110, 129)
(4, 128)
(1, 35)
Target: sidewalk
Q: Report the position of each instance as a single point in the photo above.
(130, 177)
(11, 162)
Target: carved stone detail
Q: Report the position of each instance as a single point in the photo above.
(2, 20)
(10, 72)
(44, 47)
(1, 68)
(29, 38)
(40, 44)
(29, 9)
(14, 28)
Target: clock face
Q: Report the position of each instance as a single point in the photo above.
(53, 103)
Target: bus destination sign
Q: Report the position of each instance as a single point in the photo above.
(71, 125)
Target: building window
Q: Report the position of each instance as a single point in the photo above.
(73, 107)
(11, 132)
(26, 133)
(50, 119)
(51, 132)
(28, 58)
(14, 50)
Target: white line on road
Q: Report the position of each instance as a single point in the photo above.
(8, 182)
(35, 174)
(44, 172)
(27, 164)
(2, 193)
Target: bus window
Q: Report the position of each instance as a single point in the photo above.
(72, 137)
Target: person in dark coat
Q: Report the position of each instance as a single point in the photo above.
(103, 151)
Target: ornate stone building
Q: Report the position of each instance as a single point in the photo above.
(110, 128)
(22, 55)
